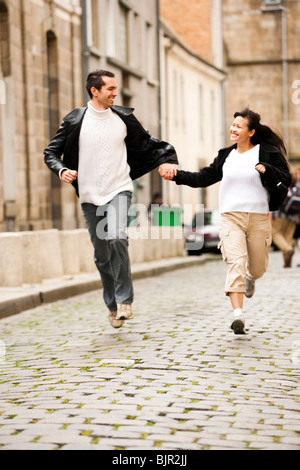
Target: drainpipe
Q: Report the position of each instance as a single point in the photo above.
(166, 49)
(159, 76)
(159, 67)
(285, 78)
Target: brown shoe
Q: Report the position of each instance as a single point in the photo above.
(124, 312)
(287, 258)
(112, 316)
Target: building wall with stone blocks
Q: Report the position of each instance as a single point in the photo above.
(47, 48)
(262, 58)
(192, 79)
(25, 255)
(40, 70)
(127, 44)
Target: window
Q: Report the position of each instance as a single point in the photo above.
(4, 41)
(150, 51)
(95, 19)
(175, 98)
(213, 113)
(92, 23)
(201, 114)
(111, 28)
(126, 93)
(182, 100)
(53, 101)
(53, 116)
(179, 100)
(135, 58)
(123, 34)
(272, 2)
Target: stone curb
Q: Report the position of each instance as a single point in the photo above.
(21, 299)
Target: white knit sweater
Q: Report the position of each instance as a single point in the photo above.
(241, 189)
(103, 171)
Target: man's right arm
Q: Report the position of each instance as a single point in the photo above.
(55, 149)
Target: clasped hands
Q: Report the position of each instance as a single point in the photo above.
(167, 171)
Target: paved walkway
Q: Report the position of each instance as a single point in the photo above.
(173, 378)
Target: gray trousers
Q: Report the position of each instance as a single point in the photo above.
(107, 228)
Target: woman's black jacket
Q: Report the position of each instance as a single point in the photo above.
(276, 179)
(144, 152)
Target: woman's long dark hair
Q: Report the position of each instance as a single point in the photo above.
(262, 133)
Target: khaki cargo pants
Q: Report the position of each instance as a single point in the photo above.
(245, 239)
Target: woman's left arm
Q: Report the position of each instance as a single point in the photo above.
(275, 170)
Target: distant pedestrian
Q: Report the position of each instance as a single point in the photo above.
(156, 201)
(105, 148)
(253, 171)
(284, 224)
(297, 231)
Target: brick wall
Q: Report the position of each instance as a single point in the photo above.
(254, 53)
(191, 19)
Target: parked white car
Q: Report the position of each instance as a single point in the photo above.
(203, 235)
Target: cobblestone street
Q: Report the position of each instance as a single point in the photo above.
(173, 378)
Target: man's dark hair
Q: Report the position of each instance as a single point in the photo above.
(94, 79)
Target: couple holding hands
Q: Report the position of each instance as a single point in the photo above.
(105, 148)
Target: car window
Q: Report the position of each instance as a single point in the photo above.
(216, 218)
(208, 218)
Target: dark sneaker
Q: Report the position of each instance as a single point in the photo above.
(287, 257)
(238, 326)
(250, 287)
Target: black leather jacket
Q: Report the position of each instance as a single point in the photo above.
(276, 179)
(144, 152)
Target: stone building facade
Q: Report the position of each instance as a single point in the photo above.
(47, 48)
(193, 92)
(40, 76)
(122, 36)
(262, 59)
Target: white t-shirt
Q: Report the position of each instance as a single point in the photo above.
(103, 171)
(241, 189)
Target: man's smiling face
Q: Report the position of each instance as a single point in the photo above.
(105, 97)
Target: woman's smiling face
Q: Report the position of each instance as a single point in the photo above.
(239, 131)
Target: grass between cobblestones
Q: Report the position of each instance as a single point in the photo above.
(174, 377)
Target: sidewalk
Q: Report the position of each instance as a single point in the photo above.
(18, 299)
